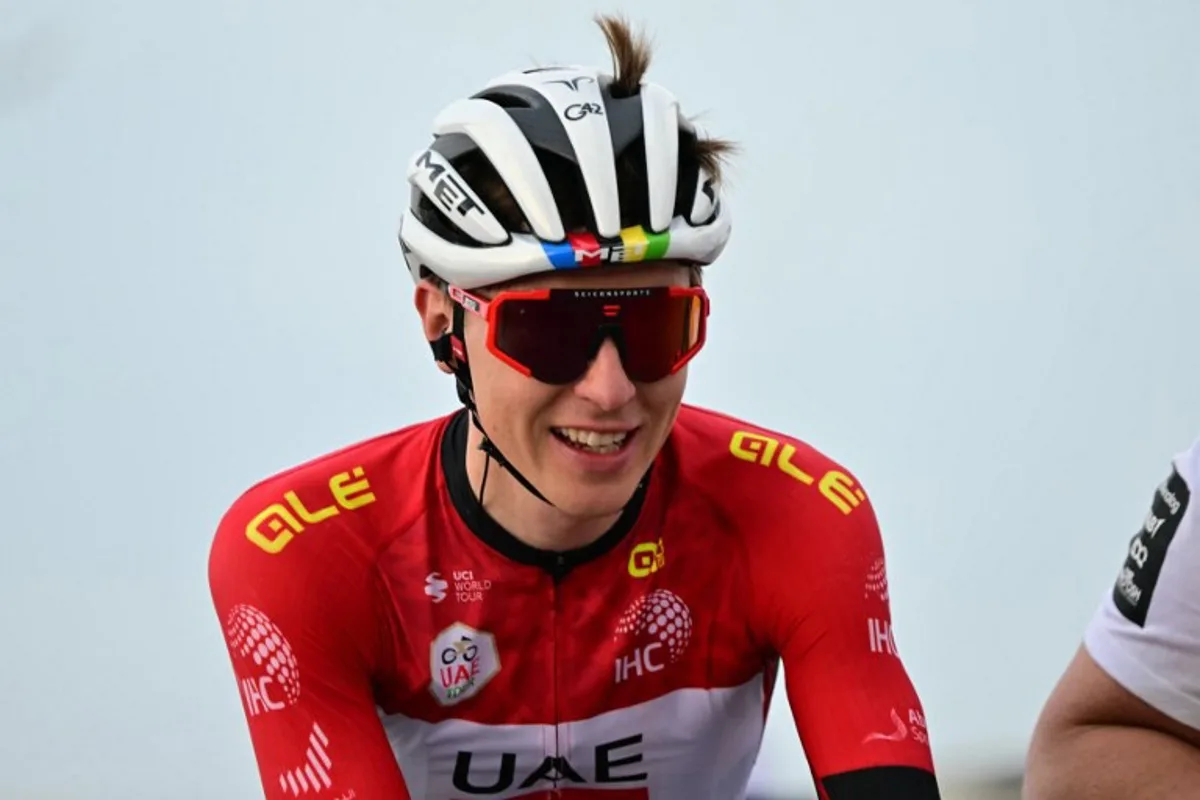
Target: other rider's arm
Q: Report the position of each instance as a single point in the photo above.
(303, 634)
(1124, 720)
(824, 597)
(1096, 739)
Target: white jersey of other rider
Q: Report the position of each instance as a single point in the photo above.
(1146, 633)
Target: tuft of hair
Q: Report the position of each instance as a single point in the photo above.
(712, 154)
(631, 53)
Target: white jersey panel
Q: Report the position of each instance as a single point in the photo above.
(1146, 633)
(690, 744)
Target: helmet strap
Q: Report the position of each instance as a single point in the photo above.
(451, 349)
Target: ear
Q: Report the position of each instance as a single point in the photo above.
(437, 314)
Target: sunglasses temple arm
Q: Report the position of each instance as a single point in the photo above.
(473, 303)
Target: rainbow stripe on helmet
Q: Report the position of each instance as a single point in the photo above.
(588, 250)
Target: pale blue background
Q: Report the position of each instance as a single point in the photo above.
(965, 263)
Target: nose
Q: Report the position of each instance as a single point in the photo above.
(605, 382)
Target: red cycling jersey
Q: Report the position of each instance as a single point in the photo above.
(390, 640)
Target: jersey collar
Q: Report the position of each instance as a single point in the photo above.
(491, 533)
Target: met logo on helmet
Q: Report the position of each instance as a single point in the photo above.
(586, 250)
(444, 184)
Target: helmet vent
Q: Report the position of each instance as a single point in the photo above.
(506, 100)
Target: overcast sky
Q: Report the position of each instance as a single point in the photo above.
(965, 262)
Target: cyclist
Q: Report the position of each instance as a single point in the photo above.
(575, 586)
(1124, 720)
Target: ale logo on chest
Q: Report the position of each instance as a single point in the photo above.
(461, 662)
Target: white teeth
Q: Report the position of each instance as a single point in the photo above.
(593, 440)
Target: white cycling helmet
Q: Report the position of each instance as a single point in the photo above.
(521, 123)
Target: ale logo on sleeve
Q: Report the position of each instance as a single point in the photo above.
(836, 486)
(273, 528)
(1148, 549)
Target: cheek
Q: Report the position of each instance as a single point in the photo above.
(475, 334)
(507, 399)
(665, 396)
(487, 371)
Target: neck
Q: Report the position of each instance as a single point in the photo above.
(527, 518)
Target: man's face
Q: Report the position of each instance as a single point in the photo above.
(584, 445)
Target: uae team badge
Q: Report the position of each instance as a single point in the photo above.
(461, 662)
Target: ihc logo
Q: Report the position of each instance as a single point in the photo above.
(436, 587)
(881, 637)
(877, 583)
(666, 620)
(253, 637)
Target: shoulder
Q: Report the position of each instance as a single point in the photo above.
(1146, 632)
(761, 473)
(789, 507)
(293, 556)
(798, 521)
(349, 489)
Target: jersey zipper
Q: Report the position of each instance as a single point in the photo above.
(557, 671)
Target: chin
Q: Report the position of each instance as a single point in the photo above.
(590, 502)
(590, 488)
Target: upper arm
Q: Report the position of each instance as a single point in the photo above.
(1087, 697)
(828, 614)
(301, 627)
(1140, 663)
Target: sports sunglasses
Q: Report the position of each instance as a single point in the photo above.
(552, 335)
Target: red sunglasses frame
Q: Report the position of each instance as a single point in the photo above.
(488, 310)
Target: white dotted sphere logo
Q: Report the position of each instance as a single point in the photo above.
(664, 616)
(877, 583)
(252, 635)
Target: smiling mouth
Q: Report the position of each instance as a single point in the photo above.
(600, 443)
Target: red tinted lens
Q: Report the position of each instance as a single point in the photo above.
(547, 337)
(661, 332)
(555, 336)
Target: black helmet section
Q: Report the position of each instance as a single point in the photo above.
(542, 126)
(465, 156)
